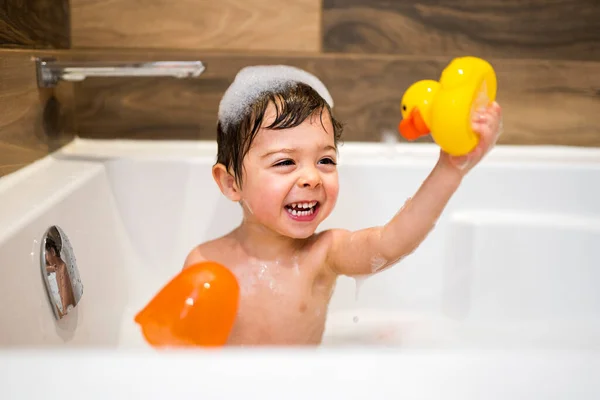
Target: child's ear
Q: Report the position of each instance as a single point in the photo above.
(226, 183)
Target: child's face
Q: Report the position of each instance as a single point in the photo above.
(290, 181)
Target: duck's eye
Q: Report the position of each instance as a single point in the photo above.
(404, 107)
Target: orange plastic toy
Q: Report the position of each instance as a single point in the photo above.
(196, 308)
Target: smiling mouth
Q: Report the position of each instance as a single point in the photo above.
(302, 209)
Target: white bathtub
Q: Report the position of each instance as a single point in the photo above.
(500, 301)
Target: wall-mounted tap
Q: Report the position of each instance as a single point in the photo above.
(50, 71)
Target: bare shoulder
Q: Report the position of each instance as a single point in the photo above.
(331, 237)
(207, 251)
(328, 241)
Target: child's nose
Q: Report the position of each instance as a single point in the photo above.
(310, 178)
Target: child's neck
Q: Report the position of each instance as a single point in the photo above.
(262, 243)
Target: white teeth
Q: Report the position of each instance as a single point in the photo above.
(303, 205)
(301, 213)
(302, 209)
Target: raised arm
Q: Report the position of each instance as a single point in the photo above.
(370, 250)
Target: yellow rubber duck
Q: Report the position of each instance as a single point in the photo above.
(444, 108)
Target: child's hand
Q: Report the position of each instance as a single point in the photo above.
(488, 124)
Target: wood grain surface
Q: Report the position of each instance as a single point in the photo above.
(35, 24)
(544, 102)
(33, 122)
(556, 29)
(291, 25)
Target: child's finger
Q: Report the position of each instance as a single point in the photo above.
(479, 117)
(496, 107)
(500, 127)
(486, 133)
(479, 125)
(495, 110)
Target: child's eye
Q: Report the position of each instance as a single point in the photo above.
(284, 163)
(328, 160)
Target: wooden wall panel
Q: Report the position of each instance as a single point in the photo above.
(293, 25)
(544, 102)
(35, 24)
(33, 122)
(557, 29)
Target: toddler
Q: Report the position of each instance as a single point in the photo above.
(277, 153)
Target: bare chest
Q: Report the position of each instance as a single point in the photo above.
(281, 303)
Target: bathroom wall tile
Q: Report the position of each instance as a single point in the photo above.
(292, 25)
(544, 102)
(561, 29)
(35, 24)
(33, 122)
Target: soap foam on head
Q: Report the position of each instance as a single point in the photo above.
(252, 82)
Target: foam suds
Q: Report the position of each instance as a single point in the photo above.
(377, 263)
(265, 274)
(251, 82)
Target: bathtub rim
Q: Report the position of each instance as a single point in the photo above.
(462, 374)
(350, 152)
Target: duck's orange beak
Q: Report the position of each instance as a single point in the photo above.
(196, 308)
(413, 127)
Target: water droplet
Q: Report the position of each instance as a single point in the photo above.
(206, 285)
(263, 269)
(189, 301)
(359, 280)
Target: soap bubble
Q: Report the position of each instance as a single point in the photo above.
(252, 82)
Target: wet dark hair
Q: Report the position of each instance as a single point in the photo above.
(293, 104)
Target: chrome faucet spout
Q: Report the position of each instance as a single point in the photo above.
(50, 71)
